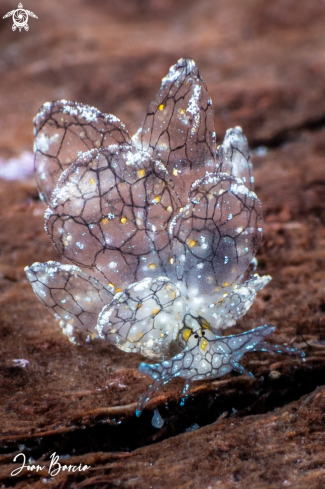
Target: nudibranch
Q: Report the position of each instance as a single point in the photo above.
(159, 230)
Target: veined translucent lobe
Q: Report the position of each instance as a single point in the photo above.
(110, 212)
(146, 318)
(178, 129)
(226, 305)
(234, 157)
(216, 235)
(64, 130)
(71, 295)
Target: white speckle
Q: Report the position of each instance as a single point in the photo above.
(260, 151)
(21, 362)
(134, 158)
(17, 168)
(43, 142)
(193, 108)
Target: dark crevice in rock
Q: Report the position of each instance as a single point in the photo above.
(289, 135)
(238, 397)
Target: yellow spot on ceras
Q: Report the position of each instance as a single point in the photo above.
(226, 284)
(123, 220)
(161, 107)
(141, 173)
(157, 199)
(139, 305)
(92, 181)
(93, 335)
(172, 293)
(191, 243)
(104, 221)
(175, 171)
(181, 209)
(111, 285)
(169, 208)
(171, 260)
(187, 334)
(204, 344)
(152, 266)
(97, 144)
(155, 311)
(182, 111)
(118, 290)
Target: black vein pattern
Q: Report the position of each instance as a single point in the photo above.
(65, 129)
(178, 129)
(146, 318)
(73, 296)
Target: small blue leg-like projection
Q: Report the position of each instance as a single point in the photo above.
(209, 356)
(186, 392)
(156, 373)
(240, 369)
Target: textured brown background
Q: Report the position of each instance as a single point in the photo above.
(264, 65)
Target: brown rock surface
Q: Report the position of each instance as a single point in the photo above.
(263, 63)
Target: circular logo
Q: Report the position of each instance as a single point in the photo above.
(20, 18)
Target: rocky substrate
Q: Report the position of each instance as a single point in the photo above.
(264, 66)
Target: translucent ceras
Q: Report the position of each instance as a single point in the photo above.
(161, 230)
